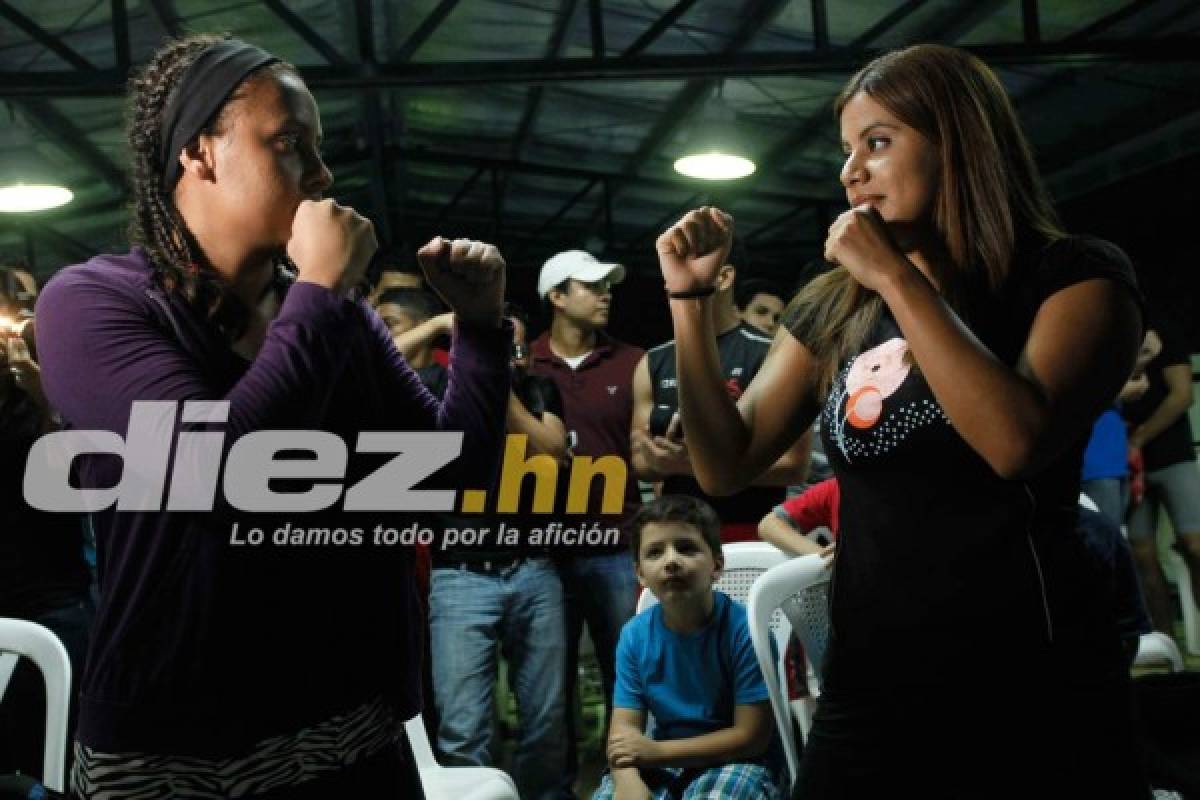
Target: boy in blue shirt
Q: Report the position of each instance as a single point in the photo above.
(689, 662)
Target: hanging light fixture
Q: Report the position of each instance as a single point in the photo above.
(713, 152)
(20, 198)
(26, 184)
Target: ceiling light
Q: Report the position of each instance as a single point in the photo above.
(714, 166)
(22, 198)
(713, 151)
(27, 182)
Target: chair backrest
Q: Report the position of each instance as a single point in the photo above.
(38, 644)
(808, 613)
(793, 580)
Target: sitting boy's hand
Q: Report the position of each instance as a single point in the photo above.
(629, 748)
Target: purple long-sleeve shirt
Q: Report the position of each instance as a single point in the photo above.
(202, 647)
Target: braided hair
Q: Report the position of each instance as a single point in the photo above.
(155, 223)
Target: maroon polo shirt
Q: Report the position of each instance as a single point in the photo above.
(597, 411)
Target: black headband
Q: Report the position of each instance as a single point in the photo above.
(199, 95)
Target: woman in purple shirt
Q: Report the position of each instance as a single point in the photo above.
(221, 669)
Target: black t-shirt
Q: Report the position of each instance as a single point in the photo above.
(539, 395)
(945, 571)
(1174, 445)
(41, 553)
(742, 351)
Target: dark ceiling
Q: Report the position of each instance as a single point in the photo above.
(547, 124)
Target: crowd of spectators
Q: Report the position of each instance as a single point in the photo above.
(574, 400)
(576, 391)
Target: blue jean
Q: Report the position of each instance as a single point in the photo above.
(1110, 496)
(519, 610)
(601, 590)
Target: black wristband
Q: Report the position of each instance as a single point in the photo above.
(703, 291)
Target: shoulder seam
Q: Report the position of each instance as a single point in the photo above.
(754, 337)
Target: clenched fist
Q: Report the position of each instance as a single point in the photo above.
(629, 748)
(331, 245)
(859, 240)
(692, 250)
(468, 275)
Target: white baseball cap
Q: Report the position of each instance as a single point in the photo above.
(578, 264)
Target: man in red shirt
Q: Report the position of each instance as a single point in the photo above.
(594, 375)
(790, 525)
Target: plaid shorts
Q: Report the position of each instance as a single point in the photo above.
(729, 782)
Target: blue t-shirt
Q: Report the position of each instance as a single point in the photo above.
(1107, 450)
(690, 682)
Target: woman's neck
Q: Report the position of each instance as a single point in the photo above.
(246, 274)
(245, 269)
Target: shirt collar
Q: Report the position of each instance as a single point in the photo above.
(540, 349)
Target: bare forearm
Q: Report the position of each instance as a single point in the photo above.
(654, 462)
(718, 747)
(645, 466)
(411, 341)
(1131, 392)
(628, 784)
(991, 407)
(779, 533)
(543, 437)
(717, 435)
(1173, 406)
(1019, 419)
(790, 470)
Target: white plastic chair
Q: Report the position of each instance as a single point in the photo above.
(1156, 648)
(799, 586)
(455, 783)
(20, 637)
(1177, 569)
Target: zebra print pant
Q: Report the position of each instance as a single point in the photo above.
(273, 765)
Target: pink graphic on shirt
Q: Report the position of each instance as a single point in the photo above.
(874, 376)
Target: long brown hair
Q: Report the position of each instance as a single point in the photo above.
(990, 199)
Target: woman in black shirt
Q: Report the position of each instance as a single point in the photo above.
(957, 357)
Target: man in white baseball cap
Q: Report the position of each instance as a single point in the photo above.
(579, 265)
(594, 376)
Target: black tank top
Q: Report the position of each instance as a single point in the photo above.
(742, 351)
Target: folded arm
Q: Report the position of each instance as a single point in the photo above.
(1078, 354)
(747, 738)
